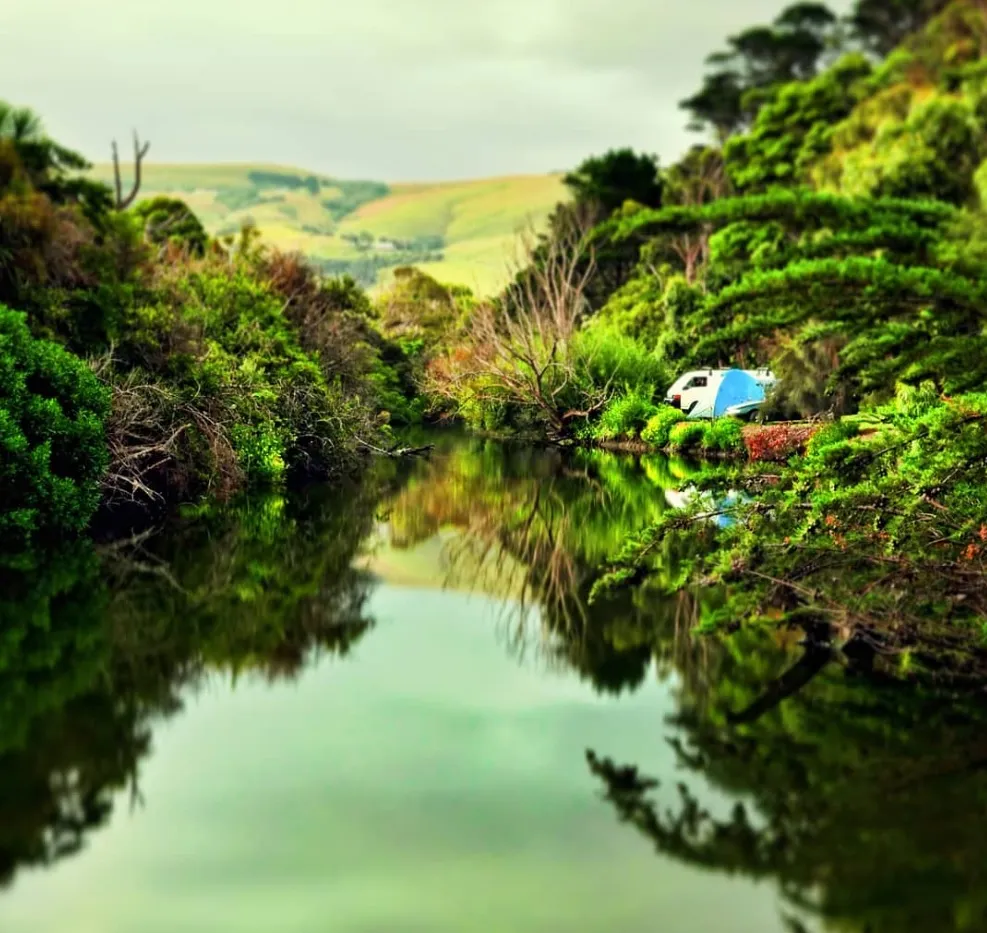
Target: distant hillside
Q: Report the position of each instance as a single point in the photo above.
(462, 232)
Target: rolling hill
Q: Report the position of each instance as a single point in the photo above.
(463, 232)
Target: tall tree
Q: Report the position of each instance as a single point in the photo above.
(45, 165)
(605, 182)
(756, 60)
(881, 25)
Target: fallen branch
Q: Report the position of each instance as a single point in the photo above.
(398, 451)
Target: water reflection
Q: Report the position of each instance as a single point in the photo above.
(864, 802)
(96, 646)
(538, 526)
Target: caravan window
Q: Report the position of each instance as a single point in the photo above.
(696, 382)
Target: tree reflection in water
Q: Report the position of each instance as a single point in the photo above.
(97, 645)
(864, 800)
(537, 526)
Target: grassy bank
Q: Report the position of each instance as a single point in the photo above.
(757, 442)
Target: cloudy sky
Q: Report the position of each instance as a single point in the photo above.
(396, 90)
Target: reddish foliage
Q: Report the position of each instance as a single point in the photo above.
(776, 441)
(42, 245)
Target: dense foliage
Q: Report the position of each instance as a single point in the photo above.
(834, 235)
(52, 445)
(96, 645)
(223, 363)
(832, 229)
(878, 534)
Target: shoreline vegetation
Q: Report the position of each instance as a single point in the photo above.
(706, 440)
(144, 364)
(834, 230)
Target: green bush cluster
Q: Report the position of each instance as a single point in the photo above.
(610, 357)
(667, 430)
(170, 221)
(658, 430)
(221, 342)
(625, 417)
(52, 443)
(229, 364)
(725, 435)
(687, 435)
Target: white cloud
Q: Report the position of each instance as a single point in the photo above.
(381, 88)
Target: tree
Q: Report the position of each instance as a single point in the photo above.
(804, 369)
(42, 159)
(606, 182)
(600, 186)
(757, 60)
(794, 127)
(171, 221)
(697, 179)
(520, 350)
(140, 151)
(933, 152)
(812, 18)
(843, 751)
(814, 267)
(844, 531)
(717, 105)
(418, 307)
(46, 166)
(881, 25)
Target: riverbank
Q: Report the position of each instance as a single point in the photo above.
(875, 537)
(760, 443)
(146, 364)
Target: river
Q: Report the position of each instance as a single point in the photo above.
(391, 707)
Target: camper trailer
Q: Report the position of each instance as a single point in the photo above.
(715, 393)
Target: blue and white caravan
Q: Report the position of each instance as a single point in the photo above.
(716, 393)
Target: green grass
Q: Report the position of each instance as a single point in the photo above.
(478, 221)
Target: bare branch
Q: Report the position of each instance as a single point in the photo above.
(140, 151)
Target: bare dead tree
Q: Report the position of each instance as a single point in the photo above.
(520, 348)
(140, 151)
(704, 179)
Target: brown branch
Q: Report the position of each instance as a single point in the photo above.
(140, 151)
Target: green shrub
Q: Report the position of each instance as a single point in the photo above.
(169, 220)
(254, 403)
(723, 434)
(659, 427)
(833, 433)
(625, 416)
(260, 452)
(687, 435)
(613, 358)
(53, 411)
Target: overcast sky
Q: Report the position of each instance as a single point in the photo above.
(396, 90)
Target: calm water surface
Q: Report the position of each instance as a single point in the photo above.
(393, 708)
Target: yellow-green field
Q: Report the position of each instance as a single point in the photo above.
(473, 224)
